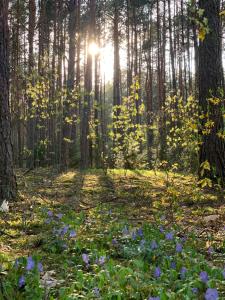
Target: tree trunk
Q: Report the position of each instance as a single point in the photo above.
(30, 125)
(7, 178)
(70, 87)
(116, 77)
(212, 148)
(85, 143)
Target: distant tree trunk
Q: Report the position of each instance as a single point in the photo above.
(116, 77)
(97, 106)
(7, 178)
(70, 87)
(30, 124)
(174, 83)
(129, 70)
(196, 58)
(212, 148)
(161, 36)
(149, 98)
(85, 144)
(17, 82)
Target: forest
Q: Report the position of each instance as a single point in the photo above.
(112, 149)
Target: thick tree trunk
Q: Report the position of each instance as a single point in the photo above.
(7, 177)
(212, 148)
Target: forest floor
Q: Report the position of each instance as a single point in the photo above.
(98, 206)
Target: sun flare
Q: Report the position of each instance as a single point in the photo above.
(93, 49)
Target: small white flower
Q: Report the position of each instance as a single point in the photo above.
(4, 207)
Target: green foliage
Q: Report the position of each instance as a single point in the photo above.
(117, 261)
(182, 134)
(200, 20)
(20, 283)
(126, 134)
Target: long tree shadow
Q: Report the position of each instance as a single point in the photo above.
(125, 192)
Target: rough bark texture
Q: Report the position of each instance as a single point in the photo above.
(210, 85)
(7, 178)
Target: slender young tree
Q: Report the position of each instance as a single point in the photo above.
(116, 76)
(7, 177)
(31, 63)
(212, 148)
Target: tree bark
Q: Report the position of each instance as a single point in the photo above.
(70, 86)
(30, 125)
(212, 148)
(7, 178)
(85, 143)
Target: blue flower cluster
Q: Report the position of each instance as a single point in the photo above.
(169, 236)
(62, 232)
(30, 266)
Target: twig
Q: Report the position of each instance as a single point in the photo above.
(7, 234)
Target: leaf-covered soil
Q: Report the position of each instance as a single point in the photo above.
(98, 206)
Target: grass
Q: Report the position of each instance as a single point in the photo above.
(98, 207)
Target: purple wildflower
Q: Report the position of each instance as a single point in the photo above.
(48, 221)
(50, 213)
(161, 229)
(125, 230)
(179, 248)
(142, 243)
(96, 292)
(183, 271)
(101, 260)
(140, 232)
(211, 294)
(65, 246)
(204, 276)
(40, 267)
(194, 290)
(114, 242)
(183, 239)
(73, 233)
(210, 250)
(21, 281)
(154, 245)
(134, 236)
(153, 298)
(16, 265)
(65, 229)
(223, 273)
(169, 236)
(157, 272)
(59, 216)
(173, 265)
(85, 258)
(30, 264)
